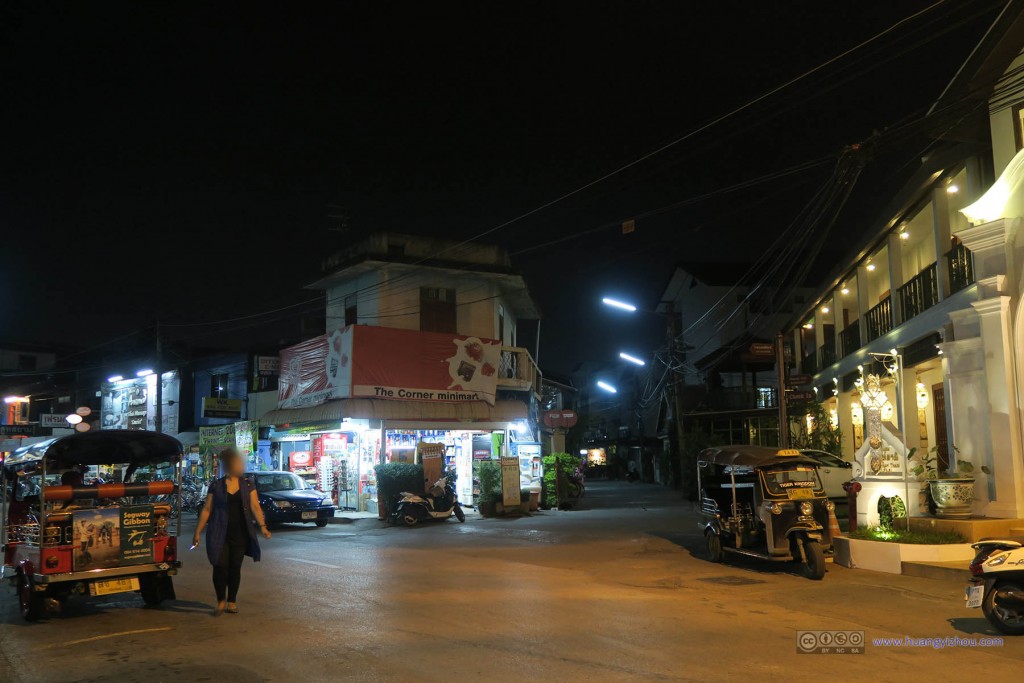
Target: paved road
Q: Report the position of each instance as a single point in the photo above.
(614, 592)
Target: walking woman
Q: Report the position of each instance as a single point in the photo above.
(233, 512)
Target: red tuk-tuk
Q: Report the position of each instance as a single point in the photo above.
(63, 534)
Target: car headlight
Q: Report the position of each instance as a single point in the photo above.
(775, 508)
(326, 502)
(806, 508)
(282, 504)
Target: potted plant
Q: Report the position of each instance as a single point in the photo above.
(949, 495)
(490, 488)
(524, 501)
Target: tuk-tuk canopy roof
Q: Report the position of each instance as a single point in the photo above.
(754, 456)
(100, 448)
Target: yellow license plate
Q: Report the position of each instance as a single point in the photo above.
(109, 586)
(799, 494)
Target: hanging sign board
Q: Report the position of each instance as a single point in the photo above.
(510, 482)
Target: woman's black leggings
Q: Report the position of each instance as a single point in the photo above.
(227, 573)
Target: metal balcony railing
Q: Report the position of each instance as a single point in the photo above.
(920, 293)
(849, 339)
(879, 319)
(827, 352)
(960, 262)
(517, 370)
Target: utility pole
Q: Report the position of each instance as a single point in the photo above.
(677, 402)
(159, 382)
(780, 363)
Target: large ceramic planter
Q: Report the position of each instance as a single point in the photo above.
(954, 498)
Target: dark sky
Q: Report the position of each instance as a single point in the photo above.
(178, 161)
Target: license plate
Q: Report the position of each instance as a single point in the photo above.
(799, 494)
(974, 595)
(309, 515)
(109, 586)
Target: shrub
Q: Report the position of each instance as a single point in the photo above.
(395, 477)
(490, 481)
(563, 466)
(924, 537)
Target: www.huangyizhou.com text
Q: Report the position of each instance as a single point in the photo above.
(937, 643)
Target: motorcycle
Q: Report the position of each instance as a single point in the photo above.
(438, 504)
(997, 583)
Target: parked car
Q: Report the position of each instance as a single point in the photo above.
(833, 470)
(285, 497)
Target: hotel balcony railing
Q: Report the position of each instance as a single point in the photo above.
(849, 338)
(961, 268)
(920, 293)
(827, 352)
(879, 319)
(517, 370)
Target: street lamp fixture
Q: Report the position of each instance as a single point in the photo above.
(621, 305)
(607, 387)
(115, 378)
(144, 373)
(632, 359)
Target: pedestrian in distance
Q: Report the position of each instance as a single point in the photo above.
(235, 519)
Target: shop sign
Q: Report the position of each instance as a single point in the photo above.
(560, 419)
(300, 460)
(799, 396)
(268, 366)
(762, 349)
(51, 420)
(798, 380)
(222, 407)
(510, 482)
(18, 430)
(378, 362)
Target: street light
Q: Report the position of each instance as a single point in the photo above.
(144, 373)
(621, 305)
(607, 387)
(632, 359)
(115, 378)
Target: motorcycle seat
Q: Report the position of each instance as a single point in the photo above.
(992, 539)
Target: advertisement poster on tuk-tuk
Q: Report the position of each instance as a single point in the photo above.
(97, 538)
(137, 527)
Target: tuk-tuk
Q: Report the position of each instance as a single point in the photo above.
(94, 514)
(766, 503)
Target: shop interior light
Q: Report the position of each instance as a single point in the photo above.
(824, 309)
(870, 266)
(844, 291)
(808, 326)
(144, 373)
(615, 303)
(632, 359)
(15, 399)
(952, 188)
(522, 427)
(904, 235)
(607, 387)
(115, 378)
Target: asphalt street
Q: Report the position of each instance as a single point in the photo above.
(615, 591)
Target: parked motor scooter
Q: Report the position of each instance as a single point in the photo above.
(438, 504)
(997, 583)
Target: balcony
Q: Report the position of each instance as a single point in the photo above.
(879, 319)
(742, 398)
(828, 352)
(920, 293)
(849, 339)
(960, 261)
(517, 370)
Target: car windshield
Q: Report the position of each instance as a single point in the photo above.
(280, 481)
(779, 481)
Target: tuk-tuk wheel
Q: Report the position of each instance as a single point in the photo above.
(713, 544)
(814, 568)
(151, 590)
(29, 600)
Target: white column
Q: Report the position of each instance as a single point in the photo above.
(1006, 484)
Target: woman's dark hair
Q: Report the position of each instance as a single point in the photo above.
(228, 455)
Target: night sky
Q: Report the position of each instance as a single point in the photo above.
(180, 162)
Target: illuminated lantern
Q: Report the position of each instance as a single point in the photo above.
(922, 396)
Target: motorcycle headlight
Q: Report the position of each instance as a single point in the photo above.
(775, 508)
(282, 504)
(830, 506)
(806, 508)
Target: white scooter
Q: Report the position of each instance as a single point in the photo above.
(997, 583)
(439, 504)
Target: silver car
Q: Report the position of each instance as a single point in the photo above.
(833, 470)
